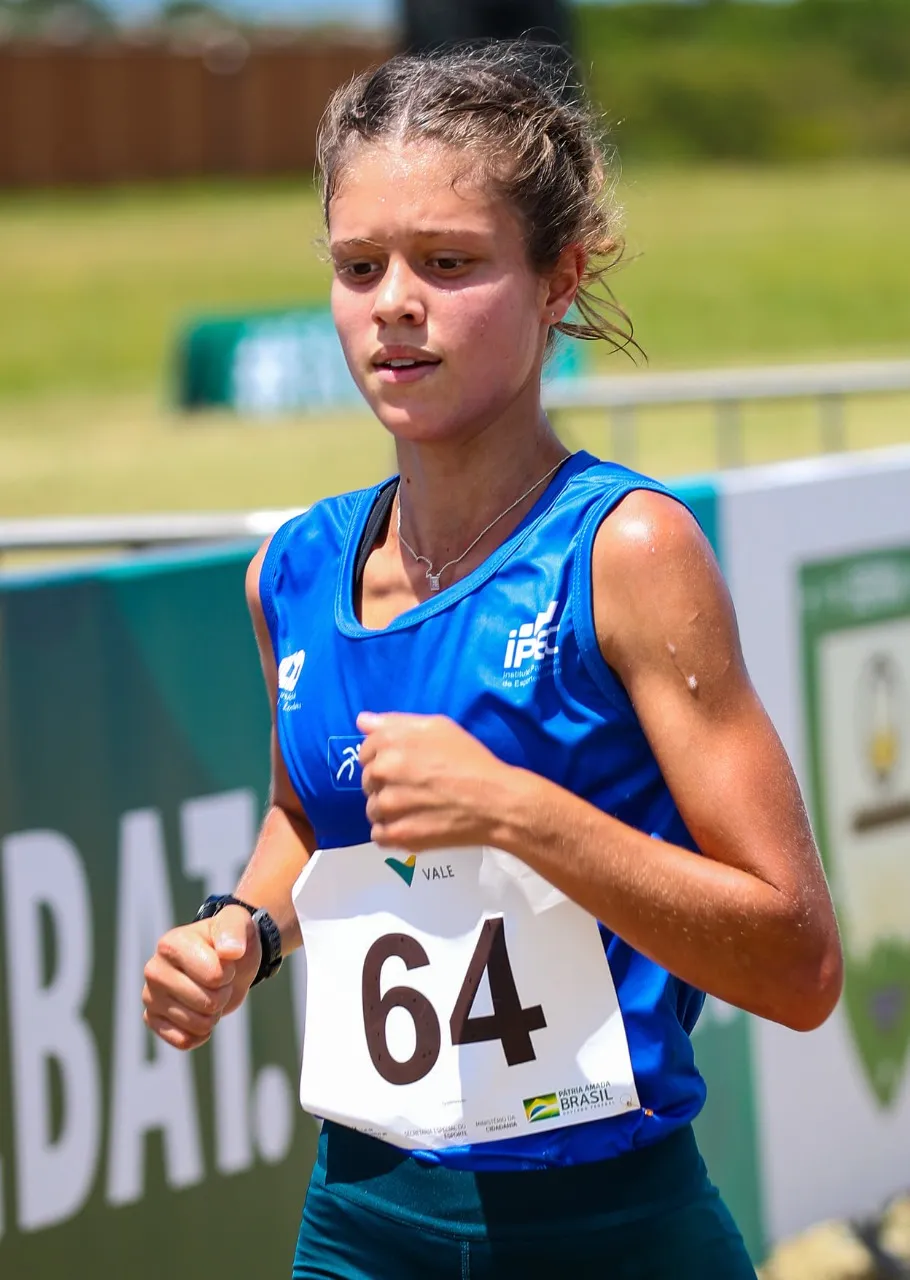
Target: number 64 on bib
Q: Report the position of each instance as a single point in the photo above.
(444, 1009)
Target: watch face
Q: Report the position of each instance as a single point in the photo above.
(210, 907)
(216, 902)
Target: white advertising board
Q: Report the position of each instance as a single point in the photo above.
(817, 555)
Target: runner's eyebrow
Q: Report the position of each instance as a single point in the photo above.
(358, 242)
(431, 233)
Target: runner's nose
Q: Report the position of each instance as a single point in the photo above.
(398, 298)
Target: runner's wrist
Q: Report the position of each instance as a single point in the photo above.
(275, 897)
(514, 816)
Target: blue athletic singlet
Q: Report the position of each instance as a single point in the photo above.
(510, 653)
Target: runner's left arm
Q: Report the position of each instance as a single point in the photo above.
(749, 919)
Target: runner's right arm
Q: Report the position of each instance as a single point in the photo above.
(286, 839)
(202, 970)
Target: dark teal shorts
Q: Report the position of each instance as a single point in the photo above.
(374, 1213)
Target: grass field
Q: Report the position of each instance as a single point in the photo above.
(725, 266)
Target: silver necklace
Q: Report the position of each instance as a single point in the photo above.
(433, 575)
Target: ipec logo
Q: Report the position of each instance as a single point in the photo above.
(404, 869)
(535, 640)
(544, 1107)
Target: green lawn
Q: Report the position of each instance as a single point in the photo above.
(725, 266)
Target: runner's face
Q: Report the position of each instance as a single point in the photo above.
(432, 270)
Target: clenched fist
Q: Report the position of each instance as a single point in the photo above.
(199, 972)
(429, 783)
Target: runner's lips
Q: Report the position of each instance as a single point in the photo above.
(403, 358)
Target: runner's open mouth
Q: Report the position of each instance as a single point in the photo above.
(404, 363)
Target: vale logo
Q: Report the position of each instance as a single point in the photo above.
(404, 869)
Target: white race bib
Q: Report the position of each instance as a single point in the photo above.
(454, 997)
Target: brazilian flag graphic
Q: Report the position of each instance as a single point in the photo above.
(544, 1107)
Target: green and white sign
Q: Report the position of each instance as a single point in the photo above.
(856, 627)
(290, 361)
(817, 554)
(264, 363)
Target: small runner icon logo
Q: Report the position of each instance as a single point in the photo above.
(349, 758)
(544, 1107)
(404, 869)
(343, 760)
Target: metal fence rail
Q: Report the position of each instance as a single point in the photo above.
(98, 533)
(620, 396)
(727, 389)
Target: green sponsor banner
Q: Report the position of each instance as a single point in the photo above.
(856, 644)
(264, 363)
(133, 774)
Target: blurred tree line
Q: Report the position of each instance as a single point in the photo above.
(815, 79)
(725, 80)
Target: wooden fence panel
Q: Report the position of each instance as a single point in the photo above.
(113, 113)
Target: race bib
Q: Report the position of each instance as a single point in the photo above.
(454, 997)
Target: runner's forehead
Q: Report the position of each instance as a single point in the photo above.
(430, 193)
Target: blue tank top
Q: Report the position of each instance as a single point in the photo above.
(511, 654)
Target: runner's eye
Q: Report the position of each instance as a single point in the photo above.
(447, 263)
(357, 270)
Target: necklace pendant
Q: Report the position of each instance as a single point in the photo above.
(433, 580)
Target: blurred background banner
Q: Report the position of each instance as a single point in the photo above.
(265, 363)
(133, 773)
(856, 622)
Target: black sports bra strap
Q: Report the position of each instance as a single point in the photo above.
(377, 518)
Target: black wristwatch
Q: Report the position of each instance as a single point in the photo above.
(269, 934)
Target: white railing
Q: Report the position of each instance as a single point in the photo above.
(101, 533)
(727, 389)
(619, 395)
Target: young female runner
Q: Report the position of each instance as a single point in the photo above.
(523, 667)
